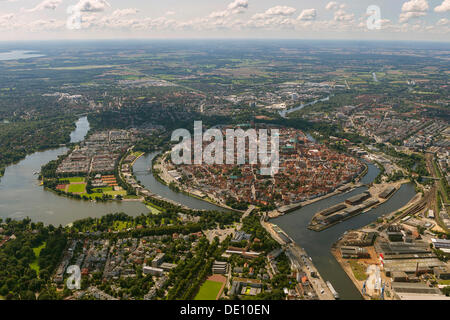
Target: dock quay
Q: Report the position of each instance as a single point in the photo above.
(343, 211)
(289, 208)
(294, 206)
(300, 261)
(350, 208)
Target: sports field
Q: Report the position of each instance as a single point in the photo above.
(209, 290)
(77, 188)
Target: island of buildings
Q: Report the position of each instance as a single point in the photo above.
(307, 170)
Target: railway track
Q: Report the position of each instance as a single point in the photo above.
(418, 207)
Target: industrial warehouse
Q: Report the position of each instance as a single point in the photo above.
(395, 263)
(351, 207)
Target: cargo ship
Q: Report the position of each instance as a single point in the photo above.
(335, 294)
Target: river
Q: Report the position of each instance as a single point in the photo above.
(142, 173)
(19, 54)
(284, 113)
(318, 244)
(21, 196)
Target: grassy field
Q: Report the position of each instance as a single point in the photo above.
(209, 290)
(137, 153)
(444, 282)
(116, 193)
(92, 196)
(101, 190)
(107, 190)
(358, 270)
(131, 197)
(37, 251)
(73, 179)
(77, 188)
(153, 208)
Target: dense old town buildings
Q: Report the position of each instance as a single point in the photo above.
(98, 154)
(307, 170)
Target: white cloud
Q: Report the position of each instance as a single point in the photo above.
(92, 5)
(273, 18)
(444, 7)
(6, 20)
(235, 7)
(443, 22)
(219, 14)
(280, 11)
(46, 4)
(342, 15)
(274, 12)
(125, 12)
(238, 4)
(406, 16)
(48, 25)
(98, 15)
(413, 9)
(307, 14)
(415, 6)
(332, 5)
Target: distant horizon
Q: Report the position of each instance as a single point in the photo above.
(224, 39)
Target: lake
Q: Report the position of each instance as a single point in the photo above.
(19, 54)
(21, 196)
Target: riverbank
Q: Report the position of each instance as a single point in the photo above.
(348, 270)
(324, 219)
(318, 244)
(21, 195)
(373, 259)
(299, 257)
(142, 169)
(344, 188)
(284, 113)
(161, 173)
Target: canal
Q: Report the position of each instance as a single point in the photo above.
(318, 244)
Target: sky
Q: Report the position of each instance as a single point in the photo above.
(188, 19)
